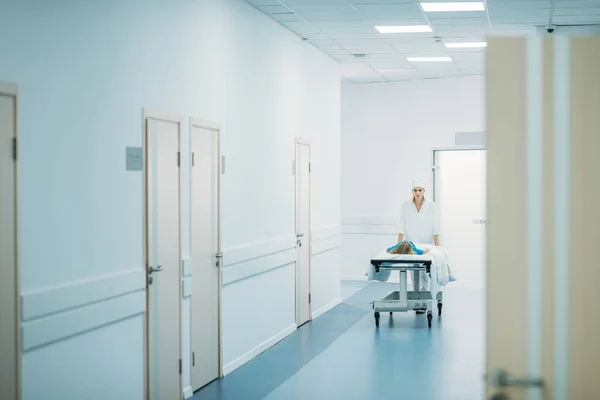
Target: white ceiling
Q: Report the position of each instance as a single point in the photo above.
(342, 28)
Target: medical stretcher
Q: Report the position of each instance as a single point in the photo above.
(403, 300)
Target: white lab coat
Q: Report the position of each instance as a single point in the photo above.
(419, 226)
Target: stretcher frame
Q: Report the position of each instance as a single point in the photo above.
(403, 300)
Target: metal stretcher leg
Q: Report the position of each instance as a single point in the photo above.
(403, 289)
(417, 288)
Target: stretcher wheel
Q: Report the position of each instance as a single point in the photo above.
(376, 318)
(439, 308)
(429, 318)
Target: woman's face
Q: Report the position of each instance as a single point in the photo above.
(418, 193)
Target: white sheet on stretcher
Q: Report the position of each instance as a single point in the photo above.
(440, 270)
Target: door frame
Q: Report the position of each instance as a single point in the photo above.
(308, 235)
(433, 161)
(215, 127)
(12, 89)
(168, 117)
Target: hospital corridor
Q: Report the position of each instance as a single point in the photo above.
(299, 199)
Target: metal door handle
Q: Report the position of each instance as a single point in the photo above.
(219, 257)
(501, 378)
(299, 235)
(157, 269)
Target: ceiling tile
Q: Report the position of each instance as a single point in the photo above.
(340, 28)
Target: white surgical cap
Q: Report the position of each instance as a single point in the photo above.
(418, 183)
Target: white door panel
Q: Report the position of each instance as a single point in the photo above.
(303, 232)
(163, 255)
(204, 247)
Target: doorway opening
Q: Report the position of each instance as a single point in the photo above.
(459, 191)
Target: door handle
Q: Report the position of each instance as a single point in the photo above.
(157, 269)
(501, 378)
(300, 235)
(219, 257)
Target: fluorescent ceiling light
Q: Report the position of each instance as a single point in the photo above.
(465, 45)
(462, 6)
(428, 59)
(404, 29)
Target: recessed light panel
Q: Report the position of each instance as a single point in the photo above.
(429, 59)
(456, 6)
(404, 29)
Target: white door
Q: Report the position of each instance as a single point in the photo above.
(303, 239)
(460, 183)
(163, 256)
(204, 189)
(8, 247)
(543, 230)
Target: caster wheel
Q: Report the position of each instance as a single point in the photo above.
(376, 319)
(439, 308)
(429, 318)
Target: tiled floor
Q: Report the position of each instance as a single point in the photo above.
(342, 355)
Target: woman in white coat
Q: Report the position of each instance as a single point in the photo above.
(419, 220)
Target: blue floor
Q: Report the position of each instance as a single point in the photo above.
(342, 355)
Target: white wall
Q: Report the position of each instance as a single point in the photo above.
(85, 71)
(388, 133)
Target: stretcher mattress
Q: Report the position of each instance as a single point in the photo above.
(440, 270)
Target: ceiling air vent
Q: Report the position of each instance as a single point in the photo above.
(360, 55)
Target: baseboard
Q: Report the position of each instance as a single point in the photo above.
(187, 392)
(354, 278)
(324, 309)
(238, 362)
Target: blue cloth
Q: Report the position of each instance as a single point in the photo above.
(415, 249)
